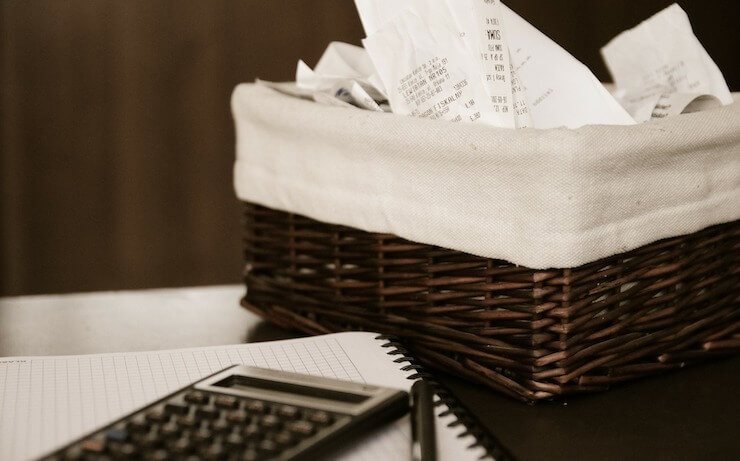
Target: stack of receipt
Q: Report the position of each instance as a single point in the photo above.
(477, 61)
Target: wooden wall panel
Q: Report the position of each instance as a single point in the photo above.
(583, 26)
(117, 139)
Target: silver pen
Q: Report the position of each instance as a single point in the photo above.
(423, 440)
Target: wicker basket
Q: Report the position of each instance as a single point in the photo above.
(531, 334)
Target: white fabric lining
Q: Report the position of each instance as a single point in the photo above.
(539, 198)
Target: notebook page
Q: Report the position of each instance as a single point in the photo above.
(47, 401)
(393, 443)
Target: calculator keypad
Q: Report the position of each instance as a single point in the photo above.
(197, 424)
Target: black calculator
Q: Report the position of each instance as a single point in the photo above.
(243, 413)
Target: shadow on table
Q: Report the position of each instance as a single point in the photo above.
(265, 331)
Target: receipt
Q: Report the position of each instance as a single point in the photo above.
(662, 105)
(681, 103)
(375, 13)
(291, 89)
(328, 88)
(657, 60)
(342, 77)
(344, 59)
(481, 26)
(560, 90)
(426, 69)
(548, 84)
(519, 100)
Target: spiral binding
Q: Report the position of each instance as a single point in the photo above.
(473, 426)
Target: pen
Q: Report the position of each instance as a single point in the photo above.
(423, 444)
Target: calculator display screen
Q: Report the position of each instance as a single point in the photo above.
(248, 383)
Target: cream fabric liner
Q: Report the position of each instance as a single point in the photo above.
(538, 198)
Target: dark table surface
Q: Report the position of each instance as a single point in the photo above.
(690, 414)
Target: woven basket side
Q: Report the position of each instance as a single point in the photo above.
(532, 334)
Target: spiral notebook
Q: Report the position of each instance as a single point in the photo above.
(45, 402)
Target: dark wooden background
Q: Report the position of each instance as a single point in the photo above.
(117, 140)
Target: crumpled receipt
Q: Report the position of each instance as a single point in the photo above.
(660, 68)
(553, 88)
(561, 91)
(343, 77)
(480, 26)
(478, 61)
(427, 70)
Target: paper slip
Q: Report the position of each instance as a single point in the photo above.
(447, 41)
(561, 91)
(657, 106)
(341, 78)
(662, 56)
(375, 13)
(322, 97)
(481, 25)
(682, 103)
(426, 69)
(335, 90)
(346, 60)
(519, 100)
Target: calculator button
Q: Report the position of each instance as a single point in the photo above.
(156, 416)
(252, 432)
(255, 406)
(234, 441)
(159, 455)
(226, 401)
(196, 397)
(207, 412)
(270, 422)
(138, 425)
(73, 453)
(93, 446)
(125, 450)
(215, 451)
(202, 435)
(268, 447)
(237, 417)
(320, 417)
(181, 446)
(288, 411)
(169, 430)
(221, 426)
(150, 441)
(117, 435)
(188, 421)
(176, 408)
(302, 428)
(251, 455)
(284, 438)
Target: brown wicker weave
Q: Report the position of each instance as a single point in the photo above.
(532, 334)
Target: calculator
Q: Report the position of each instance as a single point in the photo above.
(244, 413)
